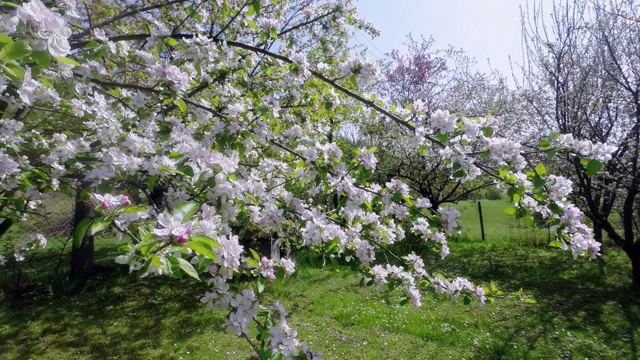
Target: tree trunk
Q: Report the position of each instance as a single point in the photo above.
(598, 236)
(5, 225)
(82, 255)
(634, 255)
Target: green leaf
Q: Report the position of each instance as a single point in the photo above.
(42, 58)
(175, 155)
(353, 80)
(255, 7)
(66, 60)
(467, 299)
(555, 208)
(188, 268)
(205, 239)
(98, 225)
(187, 209)
(493, 288)
(538, 182)
(459, 174)
(555, 244)
(185, 170)
(4, 39)
(544, 144)
(16, 50)
(250, 262)
(14, 72)
(510, 210)
(171, 41)
(174, 264)
(181, 105)
(442, 137)
(551, 154)
(541, 170)
(79, 232)
(133, 209)
(487, 131)
(593, 166)
(155, 260)
(254, 254)
(342, 202)
(260, 286)
(253, 25)
(503, 171)
(202, 248)
(146, 247)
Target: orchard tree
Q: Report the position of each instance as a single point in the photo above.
(216, 114)
(582, 80)
(431, 79)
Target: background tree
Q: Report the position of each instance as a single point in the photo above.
(429, 78)
(582, 79)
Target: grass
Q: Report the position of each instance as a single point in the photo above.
(497, 224)
(583, 310)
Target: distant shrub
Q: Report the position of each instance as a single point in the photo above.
(488, 193)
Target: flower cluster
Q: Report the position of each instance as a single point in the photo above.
(591, 150)
(48, 29)
(29, 243)
(383, 274)
(108, 201)
(457, 287)
(364, 69)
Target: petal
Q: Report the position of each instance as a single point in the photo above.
(164, 221)
(161, 232)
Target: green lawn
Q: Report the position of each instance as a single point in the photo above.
(497, 224)
(583, 310)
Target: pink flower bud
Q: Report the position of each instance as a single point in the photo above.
(271, 277)
(181, 239)
(256, 357)
(264, 261)
(125, 201)
(105, 204)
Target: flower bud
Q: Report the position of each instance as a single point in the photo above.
(125, 201)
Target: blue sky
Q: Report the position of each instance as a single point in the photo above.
(488, 30)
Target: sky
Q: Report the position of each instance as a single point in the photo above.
(488, 30)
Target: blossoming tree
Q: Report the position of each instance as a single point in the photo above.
(432, 79)
(221, 108)
(582, 81)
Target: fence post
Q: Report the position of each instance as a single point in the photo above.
(481, 221)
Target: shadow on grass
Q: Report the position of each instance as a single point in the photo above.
(572, 294)
(115, 316)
